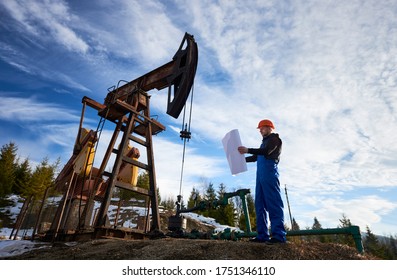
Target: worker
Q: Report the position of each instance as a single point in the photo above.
(267, 191)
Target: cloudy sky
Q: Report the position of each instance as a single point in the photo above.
(325, 72)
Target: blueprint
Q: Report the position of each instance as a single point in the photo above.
(236, 161)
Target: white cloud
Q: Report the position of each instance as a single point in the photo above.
(31, 110)
(137, 30)
(42, 17)
(323, 72)
(168, 160)
(362, 211)
(37, 68)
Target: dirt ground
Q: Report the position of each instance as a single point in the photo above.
(189, 249)
(172, 248)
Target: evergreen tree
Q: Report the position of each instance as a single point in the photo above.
(210, 196)
(143, 183)
(224, 214)
(41, 179)
(194, 198)
(344, 222)
(372, 244)
(169, 203)
(8, 166)
(371, 241)
(23, 176)
(391, 248)
(345, 238)
(318, 226)
(210, 193)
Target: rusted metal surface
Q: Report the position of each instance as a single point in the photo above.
(64, 176)
(128, 107)
(177, 75)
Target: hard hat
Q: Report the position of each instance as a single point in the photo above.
(265, 123)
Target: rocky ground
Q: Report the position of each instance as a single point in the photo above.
(172, 248)
(189, 249)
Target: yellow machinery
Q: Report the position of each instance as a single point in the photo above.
(85, 158)
(129, 172)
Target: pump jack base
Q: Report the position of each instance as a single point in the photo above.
(101, 233)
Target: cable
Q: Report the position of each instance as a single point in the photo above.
(183, 162)
(185, 134)
(191, 107)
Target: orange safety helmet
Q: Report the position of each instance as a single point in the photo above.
(265, 123)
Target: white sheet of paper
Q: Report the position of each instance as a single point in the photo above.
(231, 142)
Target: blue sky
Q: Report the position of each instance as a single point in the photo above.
(323, 71)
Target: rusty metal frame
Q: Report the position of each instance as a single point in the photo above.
(128, 107)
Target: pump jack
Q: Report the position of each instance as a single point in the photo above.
(127, 106)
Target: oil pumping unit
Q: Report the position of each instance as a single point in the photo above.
(87, 189)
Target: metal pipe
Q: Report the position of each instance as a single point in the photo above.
(246, 214)
(63, 208)
(36, 226)
(21, 217)
(353, 230)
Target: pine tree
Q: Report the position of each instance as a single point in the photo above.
(392, 248)
(33, 189)
(344, 222)
(8, 166)
(23, 177)
(210, 193)
(142, 182)
(194, 198)
(372, 244)
(169, 203)
(224, 214)
(345, 238)
(210, 196)
(318, 226)
(41, 179)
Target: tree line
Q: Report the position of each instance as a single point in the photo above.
(18, 177)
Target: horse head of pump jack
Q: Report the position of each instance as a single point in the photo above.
(178, 75)
(181, 81)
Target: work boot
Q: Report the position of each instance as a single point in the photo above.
(257, 240)
(273, 241)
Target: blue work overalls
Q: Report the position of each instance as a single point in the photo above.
(268, 200)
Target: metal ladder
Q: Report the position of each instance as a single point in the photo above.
(137, 122)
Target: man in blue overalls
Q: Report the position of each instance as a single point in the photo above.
(267, 192)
